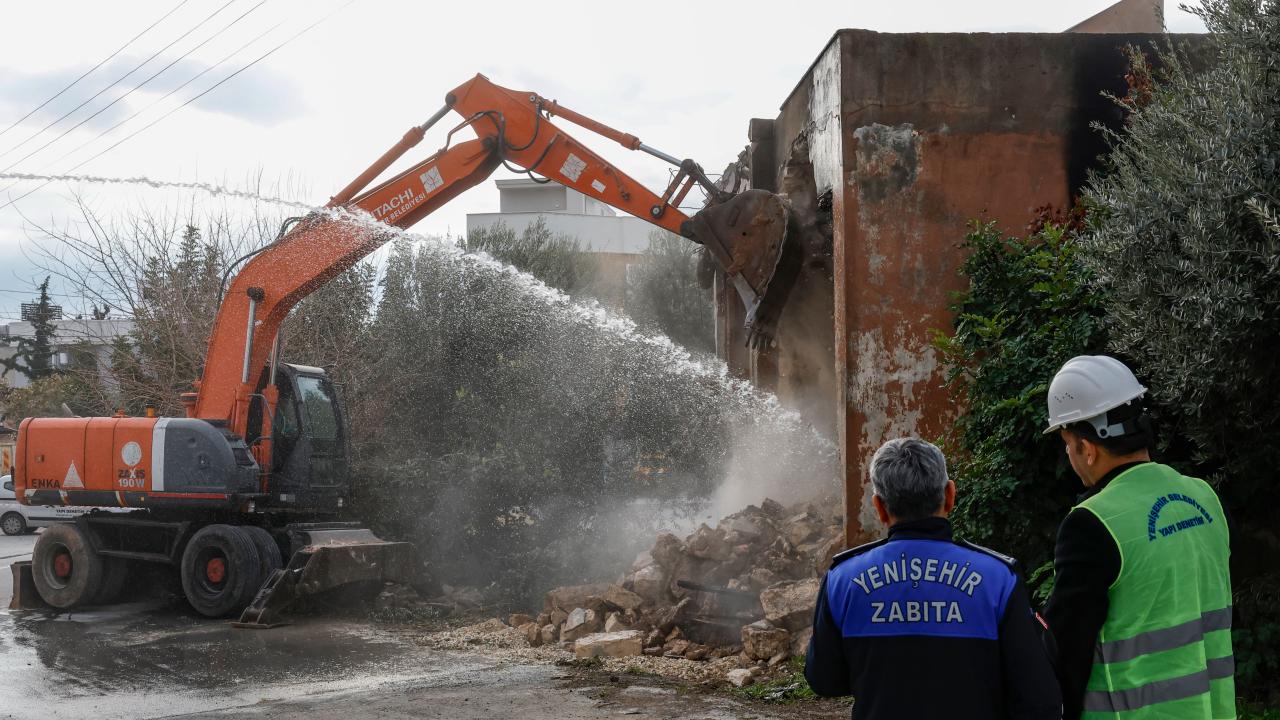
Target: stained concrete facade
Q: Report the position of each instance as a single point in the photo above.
(888, 147)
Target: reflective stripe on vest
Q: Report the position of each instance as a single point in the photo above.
(1165, 648)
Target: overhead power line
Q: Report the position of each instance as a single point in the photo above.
(118, 80)
(135, 88)
(167, 95)
(86, 73)
(206, 91)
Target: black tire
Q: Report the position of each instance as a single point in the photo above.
(268, 552)
(114, 572)
(13, 523)
(66, 570)
(220, 570)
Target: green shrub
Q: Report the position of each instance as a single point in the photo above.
(1028, 309)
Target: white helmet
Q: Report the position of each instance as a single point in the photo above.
(1087, 387)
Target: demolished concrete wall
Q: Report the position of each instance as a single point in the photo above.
(889, 145)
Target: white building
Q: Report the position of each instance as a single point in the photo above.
(96, 336)
(618, 240)
(566, 211)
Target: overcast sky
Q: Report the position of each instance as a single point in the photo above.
(685, 77)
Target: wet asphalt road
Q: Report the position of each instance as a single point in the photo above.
(159, 660)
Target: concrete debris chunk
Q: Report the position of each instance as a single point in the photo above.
(790, 604)
(667, 549)
(699, 596)
(800, 641)
(532, 633)
(625, 643)
(741, 677)
(650, 583)
(760, 641)
(580, 622)
(519, 619)
(572, 596)
(622, 598)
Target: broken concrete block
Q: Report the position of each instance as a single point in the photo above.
(710, 544)
(761, 641)
(740, 677)
(773, 507)
(761, 578)
(800, 641)
(492, 625)
(615, 644)
(778, 659)
(581, 622)
(559, 616)
(696, 652)
(572, 596)
(643, 560)
(650, 583)
(532, 633)
(519, 619)
(548, 634)
(543, 619)
(801, 532)
(654, 639)
(675, 648)
(622, 598)
(614, 623)
(667, 549)
(790, 604)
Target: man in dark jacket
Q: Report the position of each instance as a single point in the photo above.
(920, 625)
(1141, 605)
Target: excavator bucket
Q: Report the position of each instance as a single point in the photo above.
(747, 235)
(330, 555)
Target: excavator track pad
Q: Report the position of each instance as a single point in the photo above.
(748, 236)
(329, 555)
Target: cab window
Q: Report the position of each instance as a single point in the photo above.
(317, 401)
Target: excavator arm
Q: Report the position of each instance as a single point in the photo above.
(744, 233)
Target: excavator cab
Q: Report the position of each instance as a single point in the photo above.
(310, 467)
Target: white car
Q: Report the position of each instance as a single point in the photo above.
(17, 519)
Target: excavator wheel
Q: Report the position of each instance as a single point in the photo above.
(66, 570)
(220, 570)
(269, 559)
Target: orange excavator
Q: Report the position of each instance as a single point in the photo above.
(258, 469)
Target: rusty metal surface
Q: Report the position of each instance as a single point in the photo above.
(330, 559)
(748, 235)
(25, 596)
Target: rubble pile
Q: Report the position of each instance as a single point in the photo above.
(740, 594)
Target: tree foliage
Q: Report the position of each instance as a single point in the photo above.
(1183, 235)
(513, 425)
(33, 356)
(664, 294)
(557, 260)
(1027, 310)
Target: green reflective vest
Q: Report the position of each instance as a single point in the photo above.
(1165, 648)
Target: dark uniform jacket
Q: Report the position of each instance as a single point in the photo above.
(920, 626)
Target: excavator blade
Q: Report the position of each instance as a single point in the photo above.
(330, 555)
(747, 235)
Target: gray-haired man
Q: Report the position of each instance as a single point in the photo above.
(919, 625)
